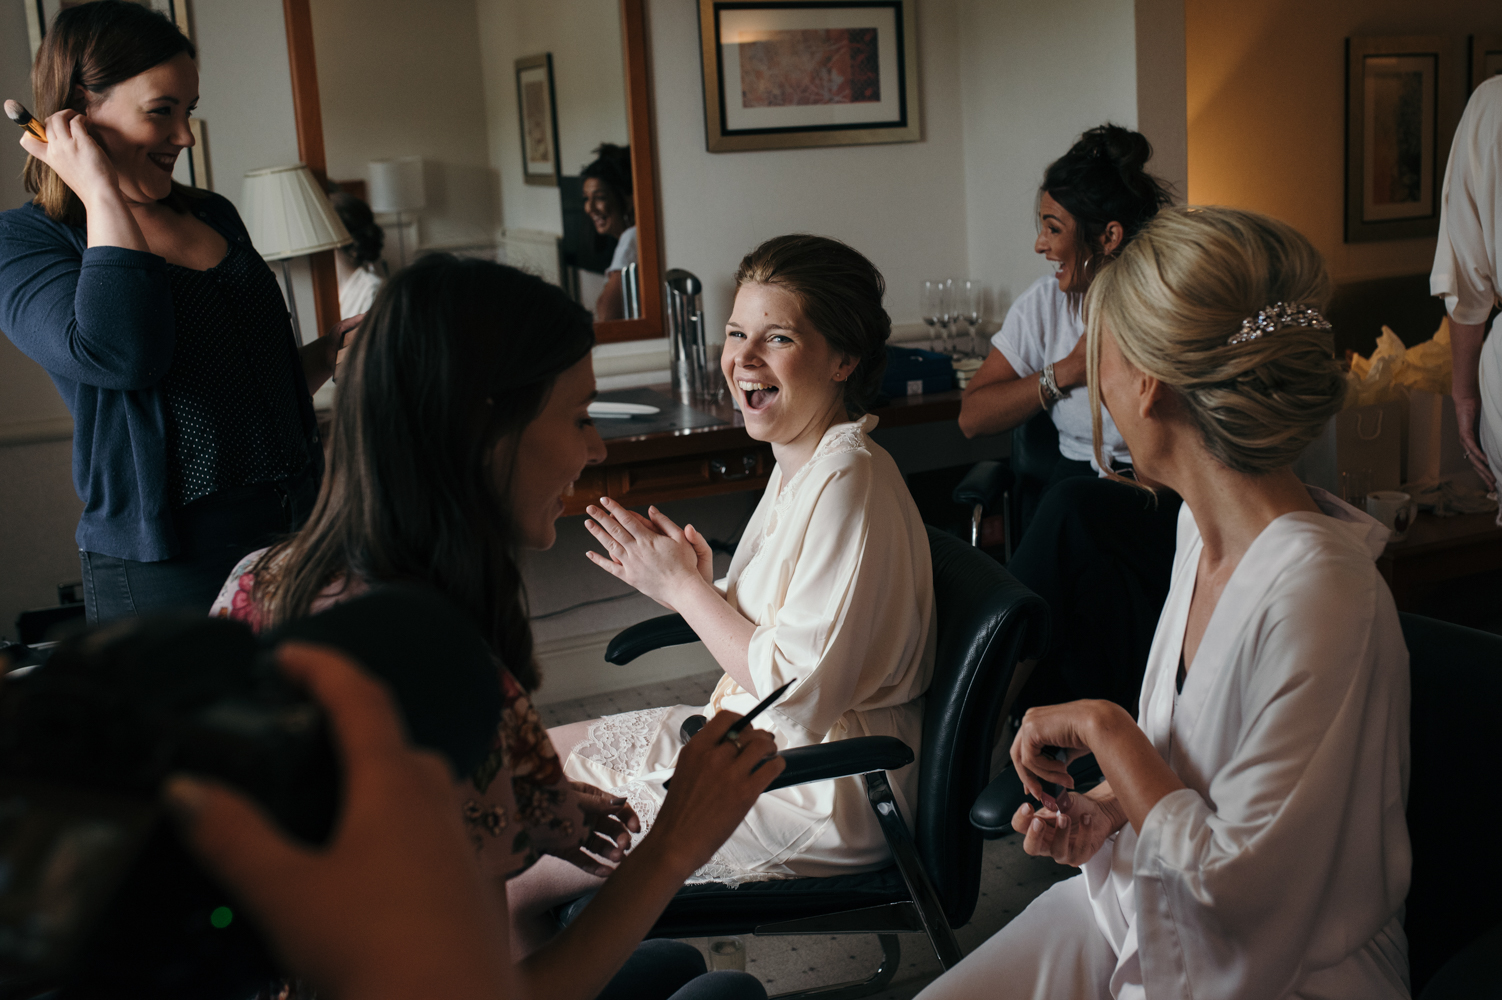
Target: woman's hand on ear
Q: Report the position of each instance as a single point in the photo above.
(79, 161)
(654, 556)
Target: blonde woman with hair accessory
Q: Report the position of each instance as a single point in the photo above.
(1249, 839)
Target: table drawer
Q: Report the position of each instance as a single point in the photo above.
(637, 484)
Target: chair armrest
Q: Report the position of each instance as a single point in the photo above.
(993, 809)
(842, 757)
(983, 485)
(643, 637)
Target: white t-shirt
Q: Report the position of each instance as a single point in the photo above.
(358, 292)
(625, 251)
(1042, 328)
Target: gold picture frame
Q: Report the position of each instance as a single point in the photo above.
(39, 13)
(808, 73)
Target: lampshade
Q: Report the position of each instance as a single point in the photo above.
(396, 185)
(288, 215)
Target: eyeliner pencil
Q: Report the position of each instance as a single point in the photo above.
(735, 731)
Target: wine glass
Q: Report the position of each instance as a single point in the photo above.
(932, 303)
(974, 296)
(945, 312)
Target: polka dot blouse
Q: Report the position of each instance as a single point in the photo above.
(232, 408)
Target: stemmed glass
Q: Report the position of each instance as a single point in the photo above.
(973, 297)
(946, 313)
(934, 307)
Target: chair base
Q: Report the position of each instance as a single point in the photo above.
(891, 960)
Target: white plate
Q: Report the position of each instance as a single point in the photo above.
(619, 411)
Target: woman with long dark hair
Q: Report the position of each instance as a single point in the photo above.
(610, 204)
(461, 420)
(166, 334)
(1098, 552)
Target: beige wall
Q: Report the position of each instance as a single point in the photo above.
(584, 37)
(1028, 89)
(1266, 96)
(402, 78)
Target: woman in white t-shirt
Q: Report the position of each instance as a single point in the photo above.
(356, 263)
(611, 206)
(1095, 550)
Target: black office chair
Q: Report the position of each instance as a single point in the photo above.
(1013, 487)
(986, 622)
(1453, 917)
(1455, 899)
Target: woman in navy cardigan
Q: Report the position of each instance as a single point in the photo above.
(194, 437)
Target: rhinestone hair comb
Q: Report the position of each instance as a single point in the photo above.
(1274, 318)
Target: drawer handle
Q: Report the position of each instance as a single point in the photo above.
(721, 468)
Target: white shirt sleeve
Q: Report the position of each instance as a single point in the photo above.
(625, 251)
(1024, 334)
(1466, 261)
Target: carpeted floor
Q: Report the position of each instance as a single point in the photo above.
(1009, 881)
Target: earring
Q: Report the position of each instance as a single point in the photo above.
(838, 377)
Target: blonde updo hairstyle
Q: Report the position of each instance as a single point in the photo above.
(1180, 290)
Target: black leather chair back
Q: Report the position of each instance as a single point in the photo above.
(1453, 811)
(987, 621)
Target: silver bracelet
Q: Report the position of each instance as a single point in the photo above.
(1050, 385)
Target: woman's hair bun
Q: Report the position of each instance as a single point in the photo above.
(367, 235)
(1102, 179)
(1128, 151)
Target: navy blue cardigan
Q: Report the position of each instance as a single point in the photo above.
(100, 321)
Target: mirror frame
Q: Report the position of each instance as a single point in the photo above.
(308, 112)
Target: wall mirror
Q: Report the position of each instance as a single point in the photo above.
(474, 126)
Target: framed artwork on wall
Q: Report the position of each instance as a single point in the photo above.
(1404, 95)
(538, 114)
(780, 75)
(1486, 58)
(39, 14)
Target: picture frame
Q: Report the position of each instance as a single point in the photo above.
(1404, 95)
(1486, 58)
(802, 73)
(39, 14)
(537, 112)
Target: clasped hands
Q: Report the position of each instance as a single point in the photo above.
(1071, 826)
(650, 553)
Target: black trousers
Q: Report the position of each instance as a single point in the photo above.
(1101, 554)
(214, 534)
(661, 969)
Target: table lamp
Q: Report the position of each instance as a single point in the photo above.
(396, 187)
(288, 215)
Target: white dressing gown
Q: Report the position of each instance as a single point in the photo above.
(1281, 870)
(834, 570)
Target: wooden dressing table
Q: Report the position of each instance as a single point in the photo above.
(702, 450)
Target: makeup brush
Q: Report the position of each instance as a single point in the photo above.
(22, 117)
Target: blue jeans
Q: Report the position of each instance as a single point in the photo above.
(213, 534)
(671, 970)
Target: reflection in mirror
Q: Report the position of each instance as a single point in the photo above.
(438, 80)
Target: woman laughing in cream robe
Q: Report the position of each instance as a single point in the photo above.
(831, 587)
(1249, 840)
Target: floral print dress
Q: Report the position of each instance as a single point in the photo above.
(523, 806)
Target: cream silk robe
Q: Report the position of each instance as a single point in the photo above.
(1281, 870)
(834, 571)
(1468, 255)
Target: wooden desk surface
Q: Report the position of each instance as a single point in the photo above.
(719, 457)
(1439, 549)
